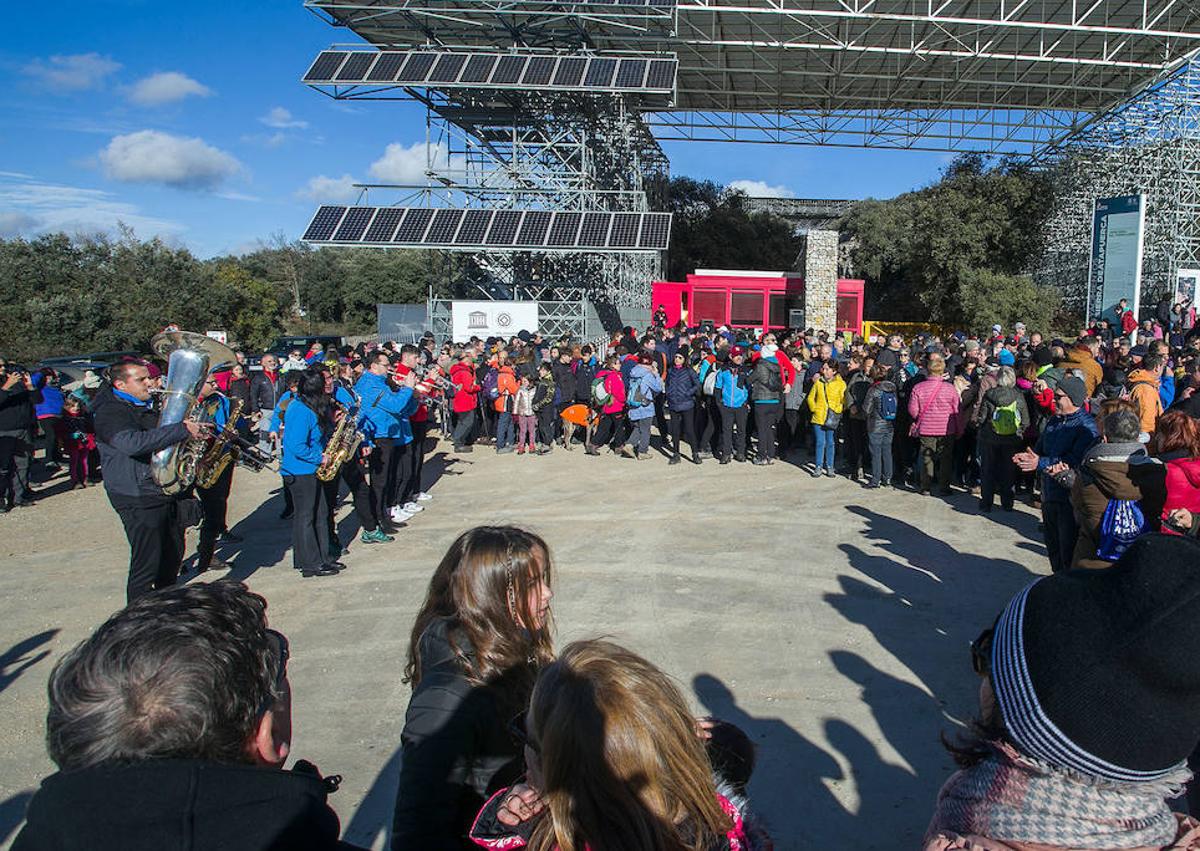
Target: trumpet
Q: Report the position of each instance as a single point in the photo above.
(432, 378)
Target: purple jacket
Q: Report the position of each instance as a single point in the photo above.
(934, 407)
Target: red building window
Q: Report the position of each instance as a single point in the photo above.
(707, 306)
(746, 309)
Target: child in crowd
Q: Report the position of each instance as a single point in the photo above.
(523, 412)
(77, 437)
(544, 408)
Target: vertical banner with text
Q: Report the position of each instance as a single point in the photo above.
(1115, 263)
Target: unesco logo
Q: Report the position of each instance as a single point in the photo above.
(503, 320)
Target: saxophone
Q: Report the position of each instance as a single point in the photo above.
(223, 451)
(343, 443)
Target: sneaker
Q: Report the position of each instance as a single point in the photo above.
(423, 497)
(398, 514)
(413, 508)
(505, 450)
(816, 473)
(376, 537)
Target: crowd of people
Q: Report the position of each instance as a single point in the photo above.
(1088, 710)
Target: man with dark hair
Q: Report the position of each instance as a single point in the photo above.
(169, 726)
(128, 435)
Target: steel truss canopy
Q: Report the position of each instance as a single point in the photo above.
(994, 75)
(483, 230)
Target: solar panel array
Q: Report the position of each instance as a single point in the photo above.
(442, 69)
(448, 227)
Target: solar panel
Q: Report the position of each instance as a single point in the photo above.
(356, 66)
(504, 227)
(600, 73)
(324, 223)
(412, 229)
(325, 65)
(565, 229)
(384, 225)
(387, 66)
(662, 74)
(354, 224)
(478, 69)
(538, 71)
(656, 228)
(533, 228)
(416, 69)
(570, 71)
(595, 229)
(474, 226)
(631, 73)
(445, 223)
(447, 68)
(508, 70)
(624, 230)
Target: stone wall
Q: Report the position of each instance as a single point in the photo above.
(820, 279)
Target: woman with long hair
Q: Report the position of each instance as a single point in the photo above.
(479, 640)
(1176, 442)
(614, 764)
(307, 424)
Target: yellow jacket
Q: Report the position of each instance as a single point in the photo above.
(826, 396)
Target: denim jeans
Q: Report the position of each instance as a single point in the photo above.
(826, 440)
(880, 442)
(504, 429)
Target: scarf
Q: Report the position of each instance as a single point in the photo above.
(133, 400)
(1011, 797)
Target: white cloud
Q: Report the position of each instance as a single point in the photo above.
(166, 87)
(75, 73)
(149, 156)
(760, 189)
(400, 164)
(32, 207)
(17, 224)
(330, 189)
(281, 119)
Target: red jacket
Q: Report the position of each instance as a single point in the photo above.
(466, 395)
(1128, 322)
(616, 388)
(786, 371)
(1183, 487)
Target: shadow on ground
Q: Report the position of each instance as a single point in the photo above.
(19, 658)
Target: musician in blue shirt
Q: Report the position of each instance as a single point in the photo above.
(307, 424)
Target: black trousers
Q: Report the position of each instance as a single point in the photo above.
(856, 444)
(310, 529)
(708, 424)
(14, 464)
(766, 420)
(546, 418)
(49, 439)
(997, 473)
(610, 429)
(155, 547)
(416, 463)
(793, 430)
(683, 422)
(382, 460)
(401, 472)
(360, 492)
(660, 417)
(463, 428)
(729, 418)
(214, 504)
(1060, 532)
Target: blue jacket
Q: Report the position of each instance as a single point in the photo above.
(1065, 438)
(650, 384)
(384, 411)
(276, 419)
(52, 398)
(732, 388)
(682, 385)
(1166, 389)
(303, 441)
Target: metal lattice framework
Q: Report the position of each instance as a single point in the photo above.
(1054, 79)
(1149, 145)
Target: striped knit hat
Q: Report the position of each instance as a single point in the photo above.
(1099, 670)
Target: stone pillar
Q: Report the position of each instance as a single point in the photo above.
(820, 279)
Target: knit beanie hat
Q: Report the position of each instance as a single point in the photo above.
(1042, 357)
(1075, 389)
(1098, 671)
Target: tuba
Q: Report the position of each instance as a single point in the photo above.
(190, 359)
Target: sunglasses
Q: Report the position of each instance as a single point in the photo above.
(283, 650)
(516, 729)
(981, 652)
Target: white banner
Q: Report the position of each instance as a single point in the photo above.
(492, 318)
(1186, 284)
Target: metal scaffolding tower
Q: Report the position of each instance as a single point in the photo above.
(1148, 145)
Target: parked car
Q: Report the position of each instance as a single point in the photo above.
(282, 345)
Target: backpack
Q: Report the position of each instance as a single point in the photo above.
(1006, 420)
(710, 381)
(637, 395)
(887, 405)
(774, 381)
(491, 384)
(600, 395)
(1123, 522)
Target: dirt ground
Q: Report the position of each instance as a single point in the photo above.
(832, 623)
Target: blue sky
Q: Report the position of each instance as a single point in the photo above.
(187, 121)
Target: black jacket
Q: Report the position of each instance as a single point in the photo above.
(173, 805)
(127, 435)
(264, 393)
(564, 382)
(457, 750)
(682, 384)
(16, 408)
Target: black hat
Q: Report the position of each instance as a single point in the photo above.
(1075, 389)
(1099, 670)
(524, 336)
(1042, 357)
(1138, 352)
